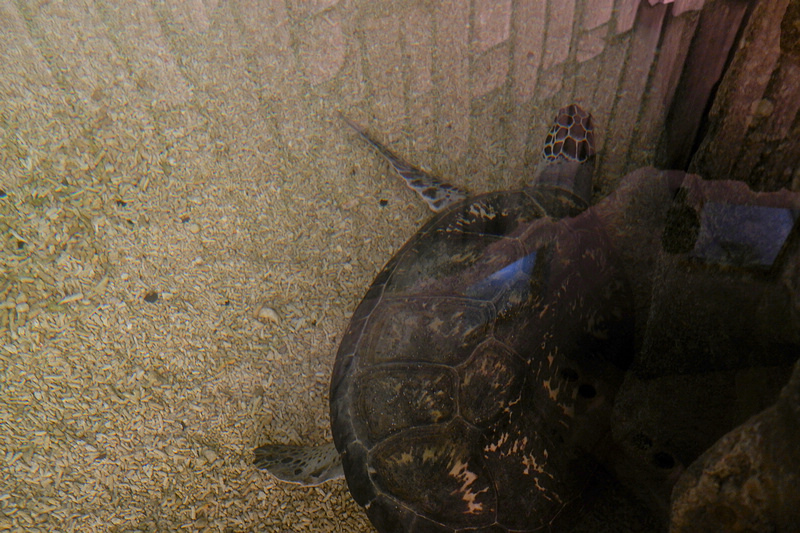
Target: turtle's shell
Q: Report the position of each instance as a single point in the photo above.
(473, 386)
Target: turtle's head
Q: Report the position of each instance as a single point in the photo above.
(568, 154)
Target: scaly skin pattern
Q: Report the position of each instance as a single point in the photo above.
(571, 137)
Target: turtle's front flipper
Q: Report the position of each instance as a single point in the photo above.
(436, 193)
(306, 465)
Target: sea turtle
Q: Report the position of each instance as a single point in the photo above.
(472, 389)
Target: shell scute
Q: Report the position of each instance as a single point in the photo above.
(489, 383)
(438, 471)
(414, 395)
(424, 330)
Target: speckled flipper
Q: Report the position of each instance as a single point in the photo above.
(306, 465)
(435, 192)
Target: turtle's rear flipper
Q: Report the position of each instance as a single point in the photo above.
(435, 192)
(306, 465)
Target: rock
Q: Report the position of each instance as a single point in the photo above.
(750, 479)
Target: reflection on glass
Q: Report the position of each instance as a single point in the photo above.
(512, 276)
(742, 235)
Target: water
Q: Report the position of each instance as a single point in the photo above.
(192, 150)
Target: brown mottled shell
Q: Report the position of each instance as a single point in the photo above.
(475, 380)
